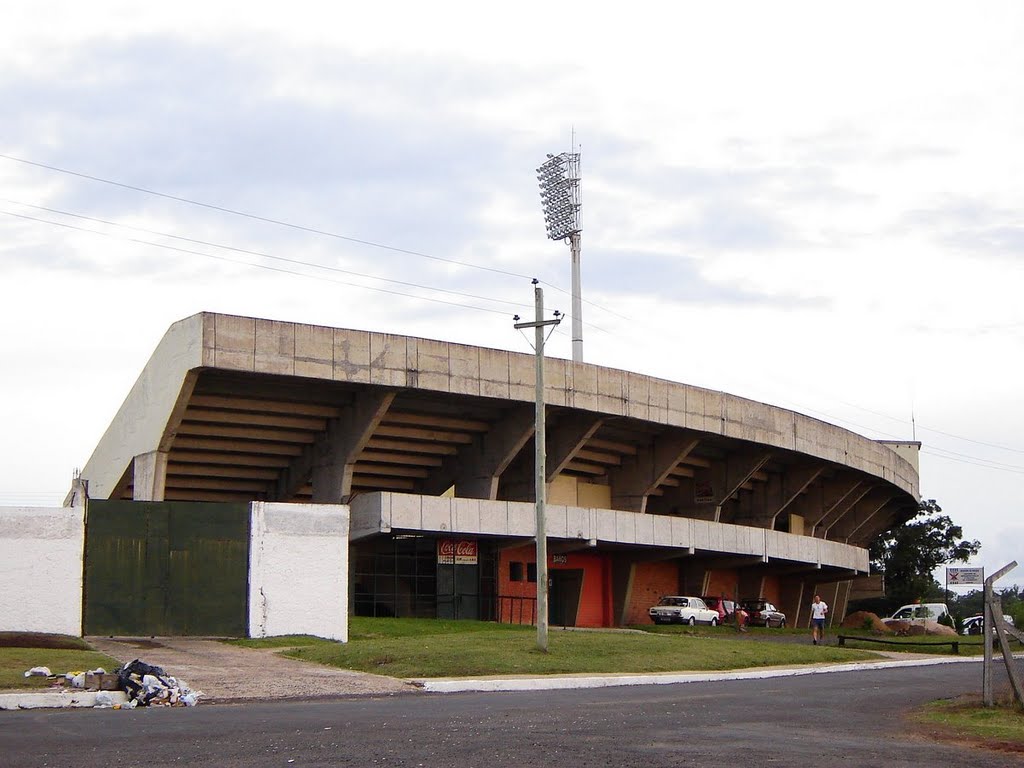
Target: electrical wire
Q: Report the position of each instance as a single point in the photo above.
(250, 264)
(290, 225)
(263, 255)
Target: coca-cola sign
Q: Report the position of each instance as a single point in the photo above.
(457, 552)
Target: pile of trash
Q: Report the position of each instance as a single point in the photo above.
(147, 685)
(144, 684)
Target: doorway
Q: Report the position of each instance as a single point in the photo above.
(564, 596)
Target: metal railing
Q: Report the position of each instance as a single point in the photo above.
(514, 609)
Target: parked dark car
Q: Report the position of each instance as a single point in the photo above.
(726, 609)
(761, 613)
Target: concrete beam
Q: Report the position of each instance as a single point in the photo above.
(565, 438)
(882, 522)
(336, 450)
(862, 512)
(780, 492)
(834, 491)
(839, 509)
(149, 476)
(640, 475)
(477, 467)
(739, 467)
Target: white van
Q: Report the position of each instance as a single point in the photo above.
(918, 613)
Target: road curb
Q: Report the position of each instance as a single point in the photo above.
(57, 699)
(671, 678)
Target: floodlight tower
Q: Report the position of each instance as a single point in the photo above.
(559, 178)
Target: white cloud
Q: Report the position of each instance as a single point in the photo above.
(810, 205)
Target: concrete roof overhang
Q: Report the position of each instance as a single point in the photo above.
(238, 408)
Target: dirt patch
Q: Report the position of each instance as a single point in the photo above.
(866, 620)
(957, 736)
(41, 640)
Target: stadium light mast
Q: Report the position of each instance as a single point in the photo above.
(559, 179)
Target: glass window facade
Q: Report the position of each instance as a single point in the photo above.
(400, 576)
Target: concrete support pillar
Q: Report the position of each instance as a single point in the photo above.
(640, 475)
(839, 509)
(565, 438)
(149, 476)
(834, 491)
(335, 452)
(863, 512)
(791, 598)
(778, 495)
(713, 486)
(477, 468)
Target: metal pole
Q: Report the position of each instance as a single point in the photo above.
(540, 463)
(986, 629)
(577, 300)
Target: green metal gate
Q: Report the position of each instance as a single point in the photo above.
(166, 568)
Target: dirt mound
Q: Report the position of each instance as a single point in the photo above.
(865, 619)
(927, 628)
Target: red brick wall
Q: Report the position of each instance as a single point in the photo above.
(595, 596)
(723, 583)
(771, 590)
(650, 582)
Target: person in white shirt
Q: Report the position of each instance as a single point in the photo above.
(819, 610)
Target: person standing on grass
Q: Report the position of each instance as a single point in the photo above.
(819, 610)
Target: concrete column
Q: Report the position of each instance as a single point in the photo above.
(791, 598)
(149, 476)
(639, 476)
(335, 453)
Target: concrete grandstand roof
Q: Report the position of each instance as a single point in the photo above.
(239, 408)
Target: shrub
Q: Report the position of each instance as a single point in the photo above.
(946, 620)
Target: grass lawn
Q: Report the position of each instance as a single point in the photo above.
(433, 648)
(20, 652)
(966, 719)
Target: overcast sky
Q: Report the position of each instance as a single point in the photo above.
(814, 205)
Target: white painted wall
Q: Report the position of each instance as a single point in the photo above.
(41, 552)
(298, 570)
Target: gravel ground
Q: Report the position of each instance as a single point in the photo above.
(227, 673)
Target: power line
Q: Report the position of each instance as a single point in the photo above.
(260, 254)
(290, 225)
(250, 264)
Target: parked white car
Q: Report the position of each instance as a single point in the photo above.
(679, 609)
(919, 613)
(975, 624)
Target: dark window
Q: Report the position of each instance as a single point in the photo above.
(515, 571)
(531, 572)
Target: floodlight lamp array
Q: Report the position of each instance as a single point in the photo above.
(559, 180)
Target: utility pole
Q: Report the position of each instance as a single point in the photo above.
(540, 460)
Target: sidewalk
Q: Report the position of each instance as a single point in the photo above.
(231, 674)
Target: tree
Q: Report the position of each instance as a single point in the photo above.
(909, 554)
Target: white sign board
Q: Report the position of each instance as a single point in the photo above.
(965, 576)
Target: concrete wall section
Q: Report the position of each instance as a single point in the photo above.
(140, 424)
(375, 513)
(41, 569)
(298, 570)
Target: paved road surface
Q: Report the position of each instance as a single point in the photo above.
(846, 719)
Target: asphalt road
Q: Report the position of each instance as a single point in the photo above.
(850, 718)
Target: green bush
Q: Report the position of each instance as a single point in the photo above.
(947, 620)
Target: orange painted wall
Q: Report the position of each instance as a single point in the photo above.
(650, 581)
(723, 583)
(595, 597)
